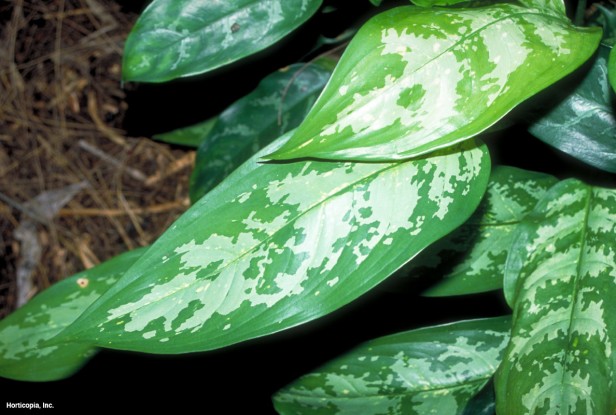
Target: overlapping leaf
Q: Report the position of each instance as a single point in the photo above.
(584, 124)
(472, 258)
(278, 104)
(176, 38)
(278, 245)
(29, 347)
(560, 280)
(435, 370)
(414, 80)
(191, 136)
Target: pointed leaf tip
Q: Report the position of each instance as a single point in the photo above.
(414, 80)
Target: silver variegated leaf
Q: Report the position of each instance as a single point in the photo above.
(277, 245)
(414, 79)
(435, 370)
(472, 258)
(560, 279)
(554, 6)
(30, 348)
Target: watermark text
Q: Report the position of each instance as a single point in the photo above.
(29, 405)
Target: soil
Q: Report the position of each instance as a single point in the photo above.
(62, 110)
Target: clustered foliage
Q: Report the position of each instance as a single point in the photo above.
(331, 176)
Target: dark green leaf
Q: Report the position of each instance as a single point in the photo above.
(560, 280)
(176, 38)
(484, 402)
(584, 124)
(191, 136)
(472, 258)
(29, 348)
(414, 79)
(435, 370)
(277, 245)
(277, 105)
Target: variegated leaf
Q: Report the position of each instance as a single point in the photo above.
(560, 278)
(550, 6)
(176, 38)
(278, 104)
(435, 370)
(414, 80)
(472, 258)
(29, 346)
(277, 245)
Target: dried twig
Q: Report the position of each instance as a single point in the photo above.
(103, 128)
(95, 151)
(160, 208)
(174, 167)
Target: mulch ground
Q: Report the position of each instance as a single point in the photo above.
(62, 107)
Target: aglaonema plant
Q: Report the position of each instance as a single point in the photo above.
(318, 185)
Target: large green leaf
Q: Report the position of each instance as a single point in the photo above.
(278, 104)
(435, 370)
(560, 280)
(176, 38)
(277, 245)
(414, 80)
(584, 124)
(25, 349)
(472, 258)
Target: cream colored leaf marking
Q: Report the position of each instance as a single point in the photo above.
(238, 269)
(571, 277)
(424, 53)
(43, 324)
(387, 377)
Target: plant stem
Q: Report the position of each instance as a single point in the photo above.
(578, 20)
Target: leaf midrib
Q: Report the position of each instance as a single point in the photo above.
(268, 238)
(463, 39)
(578, 271)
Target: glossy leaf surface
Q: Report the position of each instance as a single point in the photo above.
(277, 245)
(26, 352)
(177, 38)
(278, 104)
(435, 370)
(584, 124)
(560, 280)
(414, 79)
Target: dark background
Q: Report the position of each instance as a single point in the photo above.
(242, 378)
